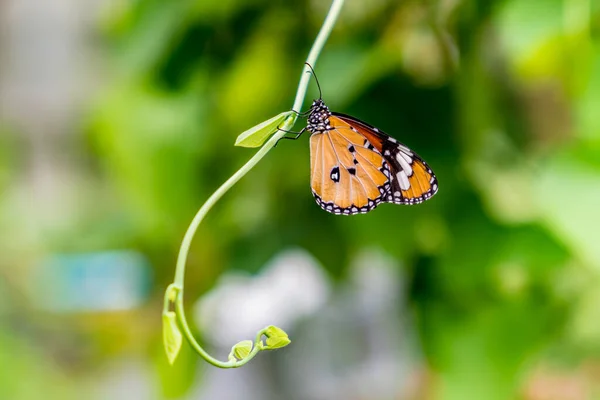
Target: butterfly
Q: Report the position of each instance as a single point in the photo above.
(355, 166)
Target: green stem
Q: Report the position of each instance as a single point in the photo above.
(326, 29)
(207, 357)
(189, 235)
(177, 287)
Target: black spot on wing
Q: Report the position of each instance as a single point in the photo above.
(335, 174)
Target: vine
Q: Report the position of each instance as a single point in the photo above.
(271, 131)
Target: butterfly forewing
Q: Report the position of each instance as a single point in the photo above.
(346, 177)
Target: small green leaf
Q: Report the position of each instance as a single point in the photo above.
(172, 338)
(277, 342)
(276, 338)
(242, 349)
(257, 135)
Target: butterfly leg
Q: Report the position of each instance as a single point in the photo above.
(302, 114)
(298, 134)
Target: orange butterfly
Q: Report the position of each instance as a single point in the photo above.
(355, 166)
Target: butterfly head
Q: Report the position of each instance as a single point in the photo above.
(318, 119)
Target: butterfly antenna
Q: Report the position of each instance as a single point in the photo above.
(316, 79)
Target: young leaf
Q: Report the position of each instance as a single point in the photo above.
(257, 135)
(276, 338)
(242, 349)
(172, 338)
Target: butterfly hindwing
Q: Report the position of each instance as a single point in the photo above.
(412, 180)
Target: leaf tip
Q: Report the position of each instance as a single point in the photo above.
(242, 349)
(172, 338)
(258, 134)
(276, 338)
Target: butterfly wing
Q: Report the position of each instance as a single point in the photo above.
(412, 181)
(348, 175)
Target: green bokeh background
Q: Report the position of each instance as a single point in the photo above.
(502, 265)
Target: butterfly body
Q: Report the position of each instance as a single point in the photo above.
(355, 166)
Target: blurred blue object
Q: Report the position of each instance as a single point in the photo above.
(103, 281)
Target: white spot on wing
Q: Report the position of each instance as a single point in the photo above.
(405, 166)
(406, 157)
(403, 180)
(405, 149)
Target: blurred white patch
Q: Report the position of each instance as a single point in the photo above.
(349, 342)
(291, 286)
(363, 344)
(376, 279)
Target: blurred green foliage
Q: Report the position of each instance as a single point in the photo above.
(500, 97)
